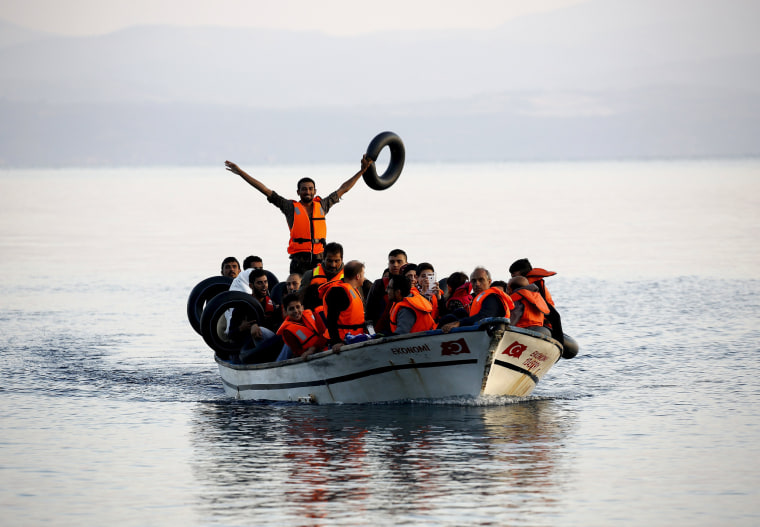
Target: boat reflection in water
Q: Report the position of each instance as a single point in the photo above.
(388, 463)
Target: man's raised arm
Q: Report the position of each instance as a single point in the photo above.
(348, 185)
(258, 185)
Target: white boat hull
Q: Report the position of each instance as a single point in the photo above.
(492, 359)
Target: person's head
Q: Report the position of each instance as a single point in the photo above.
(333, 259)
(293, 306)
(520, 267)
(425, 275)
(306, 189)
(259, 283)
(410, 271)
(230, 267)
(501, 284)
(353, 272)
(517, 282)
(293, 283)
(396, 258)
(253, 262)
(480, 279)
(455, 281)
(399, 287)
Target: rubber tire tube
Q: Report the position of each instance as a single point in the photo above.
(216, 308)
(202, 293)
(570, 347)
(393, 171)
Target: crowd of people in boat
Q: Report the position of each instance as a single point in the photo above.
(334, 304)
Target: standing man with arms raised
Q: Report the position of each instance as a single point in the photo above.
(306, 217)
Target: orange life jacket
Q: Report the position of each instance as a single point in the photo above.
(307, 235)
(350, 320)
(422, 309)
(536, 276)
(319, 278)
(535, 308)
(477, 302)
(308, 331)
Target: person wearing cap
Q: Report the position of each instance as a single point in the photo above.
(305, 217)
(536, 276)
(487, 301)
(530, 307)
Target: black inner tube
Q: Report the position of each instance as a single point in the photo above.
(398, 154)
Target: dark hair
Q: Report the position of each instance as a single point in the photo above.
(499, 283)
(408, 267)
(398, 252)
(229, 259)
(257, 273)
(334, 248)
(249, 260)
(289, 298)
(352, 269)
(402, 284)
(424, 266)
(305, 180)
(520, 266)
(456, 279)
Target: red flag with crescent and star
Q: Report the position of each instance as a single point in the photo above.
(454, 347)
(515, 349)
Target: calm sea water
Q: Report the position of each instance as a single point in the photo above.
(113, 412)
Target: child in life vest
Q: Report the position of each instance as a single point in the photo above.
(303, 331)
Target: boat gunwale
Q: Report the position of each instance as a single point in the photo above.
(484, 325)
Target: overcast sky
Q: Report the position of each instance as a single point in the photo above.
(336, 17)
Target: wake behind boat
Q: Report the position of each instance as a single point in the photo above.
(492, 358)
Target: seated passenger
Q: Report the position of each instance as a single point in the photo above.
(458, 298)
(378, 307)
(302, 330)
(501, 284)
(293, 283)
(411, 312)
(428, 287)
(410, 271)
(530, 307)
(553, 320)
(344, 306)
(314, 282)
(259, 284)
(230, 267)
(522, 267)
(240, 283)
(257, 338)
(488, 301)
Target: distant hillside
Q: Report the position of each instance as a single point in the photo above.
(602, 79)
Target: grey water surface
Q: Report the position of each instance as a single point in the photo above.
(113, 412)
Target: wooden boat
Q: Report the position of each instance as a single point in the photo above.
(492, 358)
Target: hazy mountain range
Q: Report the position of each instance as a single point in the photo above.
(603, 79)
